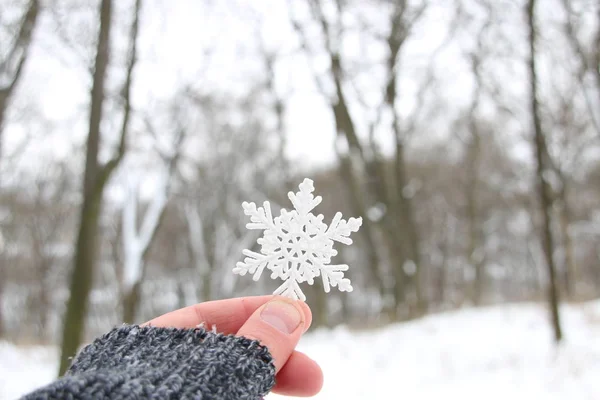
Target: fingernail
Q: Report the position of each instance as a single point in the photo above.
(281, 315)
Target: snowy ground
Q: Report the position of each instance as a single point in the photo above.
(495, 353)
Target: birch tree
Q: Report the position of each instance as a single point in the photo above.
(136, 241)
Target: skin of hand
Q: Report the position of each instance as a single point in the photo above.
(276, 322)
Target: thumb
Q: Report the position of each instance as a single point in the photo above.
(278, 325)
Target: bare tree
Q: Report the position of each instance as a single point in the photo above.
(403, 18)
(278, 105)
(47, 224)
(475, 251)
(571, 136)
(361, 162)
(137, 242)
(544, 193)
(214, 222)
(96, 177)
(351, 153)
(588, 58)
(2, 280)
(12, 66)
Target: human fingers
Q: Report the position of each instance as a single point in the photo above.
(227, 316)
(278, 325)
(299, 377)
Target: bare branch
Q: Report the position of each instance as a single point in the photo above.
(588, 64)
(126, 95)
(11, 68)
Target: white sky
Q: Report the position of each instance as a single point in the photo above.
(217, 46)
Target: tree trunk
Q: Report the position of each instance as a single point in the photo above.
(407, 228)
(2, 280)
(596, 67)
(403, 224)
(93, 187)
(473, 249)
(207, 262)
(543, 188)
(358, 208)
(207, 284)
(445, 250)
(345, 130)
(3, 107)
(81, 281)
(571, 274)
(181, 297)
(320, 306)
(45, 300)
(131, 300)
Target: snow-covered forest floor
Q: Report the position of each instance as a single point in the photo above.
(502, 352)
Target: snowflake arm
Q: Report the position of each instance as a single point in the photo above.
(290, 288)
(304, 201)
(340, 230)
(333, 276)
(260, 218)
(297, 246)
(254, 263)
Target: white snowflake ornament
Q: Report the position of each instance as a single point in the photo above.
(297, 246)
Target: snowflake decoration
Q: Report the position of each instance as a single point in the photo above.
(297, 246)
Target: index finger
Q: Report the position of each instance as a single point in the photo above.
(226, 316)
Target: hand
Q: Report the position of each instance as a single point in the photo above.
(276, 322)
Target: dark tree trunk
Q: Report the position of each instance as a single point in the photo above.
(442, 278)
(81, 280)
(320, 306)
(473, 249)
(404, 225)
(358, 208)
(346, 129)
(596, 61)
(131, 300)
(93, 185)
(570, 273)
(207, 284)
(407, 228)
(2, 280)
(95, 179)
(45, 300)
(543, 188)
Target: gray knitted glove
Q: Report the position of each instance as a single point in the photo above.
(132, 362)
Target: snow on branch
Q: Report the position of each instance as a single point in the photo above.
(136, 242)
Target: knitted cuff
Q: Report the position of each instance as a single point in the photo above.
(149, 362)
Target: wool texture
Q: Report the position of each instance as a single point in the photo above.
(133, 362)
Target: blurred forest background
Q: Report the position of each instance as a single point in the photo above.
(466, 133)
